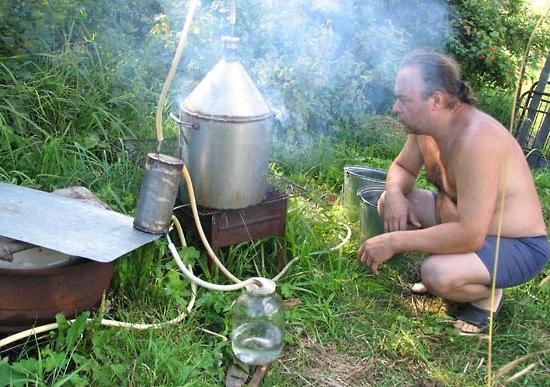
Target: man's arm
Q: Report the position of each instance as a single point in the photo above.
(399, 182)
(404, 169)
(478, 171)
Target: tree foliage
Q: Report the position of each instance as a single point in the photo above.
(489, 39)
(50, 25)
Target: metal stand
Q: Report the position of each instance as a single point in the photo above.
(228, 227)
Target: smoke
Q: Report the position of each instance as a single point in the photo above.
(315, 61)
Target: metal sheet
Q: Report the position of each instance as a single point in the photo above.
(67, 225)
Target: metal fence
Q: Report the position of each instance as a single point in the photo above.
(534, 120)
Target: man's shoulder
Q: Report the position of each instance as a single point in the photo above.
(481, 139)
(479, 118)
(484, 130)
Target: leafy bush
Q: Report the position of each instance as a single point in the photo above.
(497, 102)
(489, 39)
(45, 26)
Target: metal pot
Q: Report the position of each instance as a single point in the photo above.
(371, 222)
(224, 137)
(356, 178)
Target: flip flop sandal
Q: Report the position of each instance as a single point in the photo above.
(475, 316)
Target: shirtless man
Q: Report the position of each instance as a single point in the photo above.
(484, 186)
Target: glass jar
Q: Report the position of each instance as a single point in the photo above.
(257, 322)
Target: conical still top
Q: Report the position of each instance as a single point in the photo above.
(227, 93)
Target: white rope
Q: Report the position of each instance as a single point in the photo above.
(338, 246)
(110, 323)
(166, 86)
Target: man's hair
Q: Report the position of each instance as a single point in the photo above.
(439, 72)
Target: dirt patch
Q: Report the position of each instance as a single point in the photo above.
(318, 365)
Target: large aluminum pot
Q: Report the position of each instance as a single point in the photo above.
(227, 160)
(358, 177)
(224, 137)
(371, 222)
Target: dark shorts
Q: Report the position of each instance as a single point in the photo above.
(519, 259)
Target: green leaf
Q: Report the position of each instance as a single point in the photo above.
(10, 376)
(189, 255)
(76, 329)
(54, 361)
(90, 142)
(286, 290)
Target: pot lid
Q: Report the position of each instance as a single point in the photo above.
(227, 92)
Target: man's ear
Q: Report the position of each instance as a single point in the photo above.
(438, 100)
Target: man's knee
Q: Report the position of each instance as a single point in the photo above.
(437, 277)
(382, 201)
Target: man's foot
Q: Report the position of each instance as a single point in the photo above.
(418, 288)
(473, 318)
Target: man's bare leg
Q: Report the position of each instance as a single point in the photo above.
(455, 277)
(460, 278)
(422, 204)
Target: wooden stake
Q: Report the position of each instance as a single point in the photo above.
(258, 375)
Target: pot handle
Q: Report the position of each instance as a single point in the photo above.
(187, 125)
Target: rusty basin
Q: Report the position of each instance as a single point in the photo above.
(40, 283)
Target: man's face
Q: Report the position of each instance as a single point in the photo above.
(413, 111)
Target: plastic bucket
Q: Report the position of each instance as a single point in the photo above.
(355, 179)
(371, 222)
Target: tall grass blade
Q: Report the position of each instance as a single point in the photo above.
(521, 373)
(511, 365)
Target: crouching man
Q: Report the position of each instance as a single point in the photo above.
(485, 189)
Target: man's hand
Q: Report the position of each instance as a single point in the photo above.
(375, 251)
(397, 212)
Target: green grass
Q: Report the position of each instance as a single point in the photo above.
(57, 126)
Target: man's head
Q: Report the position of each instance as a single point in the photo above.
(428, 82)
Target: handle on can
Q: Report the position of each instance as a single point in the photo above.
(187, 125)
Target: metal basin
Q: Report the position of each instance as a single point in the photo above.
(38, 258)
(33, 291)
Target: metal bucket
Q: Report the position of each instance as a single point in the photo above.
(371, 222)
(356, 178)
